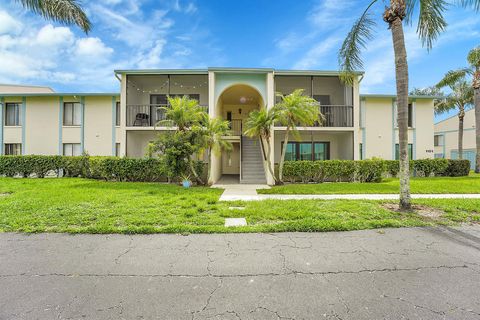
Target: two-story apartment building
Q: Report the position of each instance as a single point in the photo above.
(355, 127)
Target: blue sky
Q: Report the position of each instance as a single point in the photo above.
(189, 34)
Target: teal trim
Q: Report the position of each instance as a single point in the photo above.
(114, 122)
(24, 116)
(2, 103)
(82, 125)
(450, 131)
(444, 146)
(363, 118)
(60, 125)
(393, 129)
(257, 81)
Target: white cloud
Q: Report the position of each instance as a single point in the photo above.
(92, 48)
(8, 24)
(54, 36)
(314, 56)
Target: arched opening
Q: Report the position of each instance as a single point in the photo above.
(235, 104)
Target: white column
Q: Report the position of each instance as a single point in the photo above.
(270, 103)
(356, 120)
(216, 165)
(123, 116)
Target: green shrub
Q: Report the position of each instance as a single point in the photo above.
(457, 168)
(369, 170)
(427, 167)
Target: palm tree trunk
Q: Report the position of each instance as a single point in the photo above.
(209, 167)
(194, 171)
(269, 164)
(401, 74)
(461, 116)
(282, 157)
(476, 88)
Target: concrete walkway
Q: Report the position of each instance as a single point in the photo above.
(418, 273)
(248, 192)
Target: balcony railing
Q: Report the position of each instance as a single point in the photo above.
(335, 116)
(236, 127)
(147, 115)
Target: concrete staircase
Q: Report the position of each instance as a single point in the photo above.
(252, 163)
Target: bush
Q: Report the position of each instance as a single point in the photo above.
(369, 170)
(427, 167)
(457, 168)
(28, 165)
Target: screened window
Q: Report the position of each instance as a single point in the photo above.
(12, 114)
(72, 114)
(410, 115)
(117, 149)
(397, 151)
(117, 114)
(307, 151)
(438, 140)
(324, 100)
(13, 149)
(72, 149)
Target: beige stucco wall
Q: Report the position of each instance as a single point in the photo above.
(98, 126)
(41, 130)
(379, 134)
(12, 88)
(449, 129)
(137, 142)
(231, 160)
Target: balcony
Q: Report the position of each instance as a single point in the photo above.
(147, 115)
(335, 116)
(236, 127)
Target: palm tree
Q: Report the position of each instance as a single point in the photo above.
(472, 70)
(431, 24)
(461, 99)
(213, 132)
(295, 110)
(182, 112)
(259, 125)
(63, 11)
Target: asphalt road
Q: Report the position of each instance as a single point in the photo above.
(390, 274)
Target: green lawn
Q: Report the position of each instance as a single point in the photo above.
(470, 184)
(88, 206)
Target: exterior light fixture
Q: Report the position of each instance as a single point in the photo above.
(243, 99)
(240, 111)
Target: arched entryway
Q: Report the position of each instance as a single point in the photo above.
(235, 104)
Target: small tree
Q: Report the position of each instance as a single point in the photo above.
(63, 11)
(472, 70)
(295, 110)
(259, 125)
(212, 134)
(461, 98)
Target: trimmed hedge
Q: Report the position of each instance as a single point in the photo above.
(107, 168)
(369, 170)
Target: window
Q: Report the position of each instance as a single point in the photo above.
(397, 151)
(323, 99)
(410, 115)
(361, 151)
(438, 140)
(12, 114)
(72, 149)
(117, 114)
(13, 149)
(72, 114)
(307, 151)
(117, 149)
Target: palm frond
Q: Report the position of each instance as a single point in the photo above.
(410, 6)
(349, 56)
(452, 77)
(62, 11)
(469, 4)
(431, 22)
(473, 57)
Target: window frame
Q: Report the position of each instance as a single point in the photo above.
(312, 143)
(410, 115)
(18, 114)
(72, 150)
(117, 114)
(73, 123)
(7, 146)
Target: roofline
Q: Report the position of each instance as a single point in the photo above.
(394, 96)
(26, 85)
(234, 70)
(453, 116)
(61, 94)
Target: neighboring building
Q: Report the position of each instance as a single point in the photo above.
(14, 88)
(446, 138)
(356, 127)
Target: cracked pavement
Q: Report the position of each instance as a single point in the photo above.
(410, 273)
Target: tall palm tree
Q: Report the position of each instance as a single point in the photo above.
(259, 125)
(214, 131)
(431, 24)
(472, 70)
(461, 99)
(63, 11)
(294, 110)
